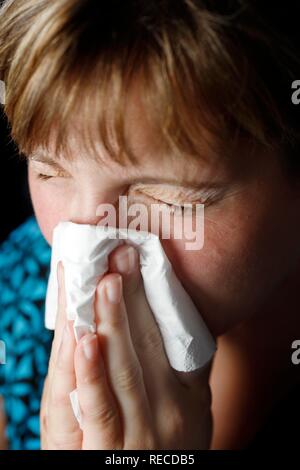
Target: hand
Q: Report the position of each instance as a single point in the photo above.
(130, 397)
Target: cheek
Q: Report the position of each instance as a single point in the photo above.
(49, 210)
(213, 275)
(246, 253)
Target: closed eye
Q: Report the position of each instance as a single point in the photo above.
(175, 207)
(43, 177)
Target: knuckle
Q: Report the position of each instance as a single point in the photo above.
(178, 422)
(105, 415)
(63, 441)
(59, 397)
(116, 321)
(150, 340)
(174, 421)
(129, 378)
(90, 378)
(61, 365)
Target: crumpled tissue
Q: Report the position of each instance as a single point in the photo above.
(84, 250)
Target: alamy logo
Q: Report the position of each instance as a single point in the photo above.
(296, 354)
(170, 222)
(296, 94)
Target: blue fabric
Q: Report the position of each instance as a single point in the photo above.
(24, 270)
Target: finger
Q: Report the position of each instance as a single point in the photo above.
(121, 362)
(44, 415)
(60, 319)
(62, 427)
(144, 330)
(100, 419)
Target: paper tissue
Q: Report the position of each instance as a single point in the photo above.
(84, 250)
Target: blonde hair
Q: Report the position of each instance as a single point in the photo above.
(201, 70)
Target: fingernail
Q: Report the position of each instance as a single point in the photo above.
(113, 289)
(90, 347)
(126, 260)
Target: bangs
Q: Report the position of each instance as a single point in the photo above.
(70, 67)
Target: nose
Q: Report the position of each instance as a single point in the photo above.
(89, 207)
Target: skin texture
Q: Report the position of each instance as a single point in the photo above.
(241, 281)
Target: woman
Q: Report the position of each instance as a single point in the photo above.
(186, 102)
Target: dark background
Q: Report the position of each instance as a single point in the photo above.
(15, 205)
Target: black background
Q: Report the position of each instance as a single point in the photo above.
(15, 205)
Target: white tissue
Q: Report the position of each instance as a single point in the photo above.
(84, 250)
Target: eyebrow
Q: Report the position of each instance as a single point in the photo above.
(41, 157)
(44, 158)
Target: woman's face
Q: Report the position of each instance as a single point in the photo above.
(251, 228)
